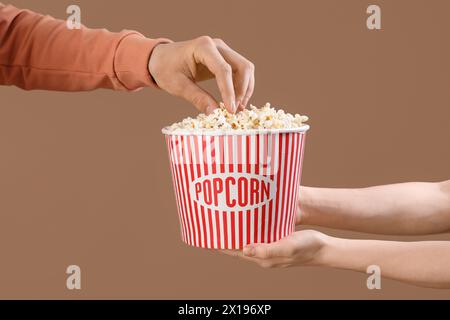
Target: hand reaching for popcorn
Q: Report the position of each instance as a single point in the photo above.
(126, 61)
(177, 67)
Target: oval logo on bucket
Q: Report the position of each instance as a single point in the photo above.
(232, 191)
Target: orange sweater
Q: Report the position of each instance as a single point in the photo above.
(39, 52)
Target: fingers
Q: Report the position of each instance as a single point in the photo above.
(207, 54)
(201, 99)
(250, 89)
(244, 70)
(279, 249)
(265, 263)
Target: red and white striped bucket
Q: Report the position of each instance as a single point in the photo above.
(234, 189)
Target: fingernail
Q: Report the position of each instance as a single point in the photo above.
(249, 251)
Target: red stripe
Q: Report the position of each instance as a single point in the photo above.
(269, 216)
(208, 226)
(222, 154)
(256, 229)
(263, 225)
(177, 180)
(183, 192)
(279, 173)
(272, 206)
(257, 154)
(241, 227)
(177, 189)
(231, 148)
(219, 242)
(225, 230)
(238, 150)
(212, 146)
(297, 180)
(282, 212)
(247, 154)
(200, 213)
(211, 228)
(289, 185)
(303, 137)
(255, 225)
(193, 177)
(204, 226)
(169, 148)
(230, 152)
(233, 228)
(264, 172)
(247, 238)
(294, 184)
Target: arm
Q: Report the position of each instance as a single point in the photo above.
(40, 52)
(404, 208)
(425, 263)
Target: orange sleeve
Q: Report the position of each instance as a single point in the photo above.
(40, 52)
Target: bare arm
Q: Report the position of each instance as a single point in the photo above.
(404, 208)
(425, 263)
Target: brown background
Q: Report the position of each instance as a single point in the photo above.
(84, 177)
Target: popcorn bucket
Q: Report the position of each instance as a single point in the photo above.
(235, 188)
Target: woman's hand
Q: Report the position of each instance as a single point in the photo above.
(301, 248)
(177, 66)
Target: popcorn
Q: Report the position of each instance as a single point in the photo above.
(248, 119)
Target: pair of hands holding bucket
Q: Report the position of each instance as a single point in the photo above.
(267, 235)
(205, 58)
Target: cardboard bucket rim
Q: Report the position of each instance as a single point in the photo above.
(246, 132)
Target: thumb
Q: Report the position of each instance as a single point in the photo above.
(280, 248)
(201, 99)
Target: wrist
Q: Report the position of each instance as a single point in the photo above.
(343, 254)
(153, 61)
(304, 205)
(323, 256)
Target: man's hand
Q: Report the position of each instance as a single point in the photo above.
(302, 248)
(176, 67)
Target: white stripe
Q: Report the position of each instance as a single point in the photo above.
(280, 200)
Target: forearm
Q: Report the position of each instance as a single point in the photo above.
(39, 52)
(424, 263)
(405, 208)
